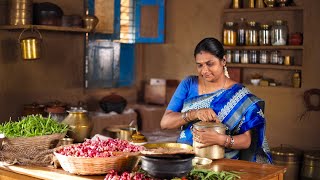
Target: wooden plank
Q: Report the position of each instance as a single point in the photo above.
(246, 10)
(44, 27)
(250, 170)
(264, 66)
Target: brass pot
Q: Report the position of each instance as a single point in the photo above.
(289, 157)
(90, 22)
(79, 123)
(30, 46)
(214, 151)
(311, 165)
(126, 133)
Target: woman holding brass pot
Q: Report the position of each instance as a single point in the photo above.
(213, 96)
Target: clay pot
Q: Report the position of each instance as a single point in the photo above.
(34, 108)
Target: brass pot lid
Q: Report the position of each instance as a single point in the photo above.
(286, 154)
(285, 151)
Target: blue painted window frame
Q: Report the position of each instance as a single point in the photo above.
(161, 21)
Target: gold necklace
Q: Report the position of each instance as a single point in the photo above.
(205, 87)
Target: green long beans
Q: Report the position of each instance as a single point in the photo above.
(32, 125)
(205, 174)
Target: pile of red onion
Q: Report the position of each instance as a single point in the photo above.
(99, 148)
(113, 175)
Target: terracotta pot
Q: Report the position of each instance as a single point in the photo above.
(34, 108)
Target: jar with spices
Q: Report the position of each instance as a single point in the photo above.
(236, 56)
(263, 57)
(241, 32)
(274, 57)
(264, 35)
(244, 57)
(279, 33)
(228, 56)
(229, 34)
(296, 81)
(253, 57)
(252, 34)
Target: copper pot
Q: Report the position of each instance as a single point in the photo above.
(90, 22)
(213, 151)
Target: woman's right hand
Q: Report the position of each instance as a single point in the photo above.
(206, 114)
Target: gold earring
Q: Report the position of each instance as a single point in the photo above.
(226, 73)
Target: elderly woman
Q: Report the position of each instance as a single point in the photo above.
(212, 96)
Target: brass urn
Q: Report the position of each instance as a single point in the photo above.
(79, 123)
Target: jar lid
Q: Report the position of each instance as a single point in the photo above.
(286, 154)
(279, 22)
(264, 26)
(203, 124)
(230, 23)
(312, 154)
(252, 23)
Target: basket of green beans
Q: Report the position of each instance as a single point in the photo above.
(33, 131)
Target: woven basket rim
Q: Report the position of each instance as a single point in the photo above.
(41, 136)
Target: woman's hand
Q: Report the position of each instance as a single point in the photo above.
(206, 114)
(207, 137)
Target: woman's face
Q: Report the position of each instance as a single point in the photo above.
(209, 66)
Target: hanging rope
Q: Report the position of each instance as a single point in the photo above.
(307, 100)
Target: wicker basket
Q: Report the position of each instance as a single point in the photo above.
(38, 142)
(98, 165)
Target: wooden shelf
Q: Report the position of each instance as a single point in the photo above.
(263, 47)
(246, 10)
(286, 88)
(265, 66)
(44, 27)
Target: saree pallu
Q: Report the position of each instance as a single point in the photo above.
(240, 111)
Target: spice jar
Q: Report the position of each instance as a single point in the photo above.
(296, 81)
(252, 34)
(263, 57)
(244, 57)
(236, 56)
(241, 32)
(213, 151)
(229, 34)
(279, 33)
(228, 56)
(264, 35)
(274, 57)
(253, 57)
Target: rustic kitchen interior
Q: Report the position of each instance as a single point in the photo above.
(61, 73)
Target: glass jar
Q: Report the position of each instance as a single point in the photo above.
(264, 35)
(274, 57)
(244, 57)
(241, 32)
(236, 56)
(296, 81)
(253, 57)
(279, 33)
(252, 34)
(228, 56)
(263, 57)
(229, 34)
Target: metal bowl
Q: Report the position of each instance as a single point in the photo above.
(199, 162)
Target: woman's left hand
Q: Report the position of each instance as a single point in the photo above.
(206, 137)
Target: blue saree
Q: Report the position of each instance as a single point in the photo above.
(236, 107)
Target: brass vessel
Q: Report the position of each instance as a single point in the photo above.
(213, 151)
(30, 46)
(80, 124)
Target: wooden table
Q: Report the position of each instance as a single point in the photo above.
(251, 171)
